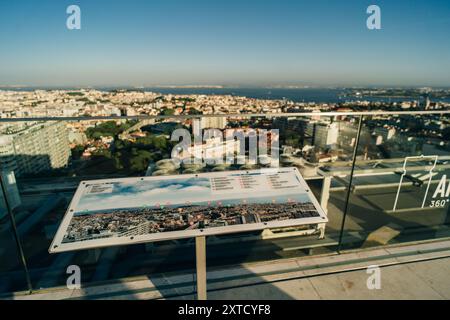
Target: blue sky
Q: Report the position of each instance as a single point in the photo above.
(229, 42)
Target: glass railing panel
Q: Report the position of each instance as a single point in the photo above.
(56, 156)
(318, 145)
(12, 271)
(400, 183)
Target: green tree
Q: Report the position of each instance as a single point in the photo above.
(160, 142)
(103, 153)
(138, 163)
(77, 152)
(194, 111)
(145, 141)
(167, 112)
(108, 129)
(446, 134)
(117, 161)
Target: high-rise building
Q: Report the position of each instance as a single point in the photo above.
(213, 122)
(383, 134)
(424, 101)
(324, 135)
(35, 148)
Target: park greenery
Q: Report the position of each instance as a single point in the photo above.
(124, 156)
(75, 94)
(167, 112)
(108, 129)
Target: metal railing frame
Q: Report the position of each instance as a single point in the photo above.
(232, 115)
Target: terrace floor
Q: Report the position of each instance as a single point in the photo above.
(412, 271)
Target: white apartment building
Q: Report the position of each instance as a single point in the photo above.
(213, 123)
(324, 135)
(213, 148)
(383, 134)
(36, 148)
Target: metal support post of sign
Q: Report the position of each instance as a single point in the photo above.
(200, 257)
(325, 193)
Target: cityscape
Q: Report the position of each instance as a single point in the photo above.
(142, 221)
(135, 147)
(31, 103)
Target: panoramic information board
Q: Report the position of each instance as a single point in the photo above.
(126, 211)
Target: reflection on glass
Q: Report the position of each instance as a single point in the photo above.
(396, 194)
(400, 177)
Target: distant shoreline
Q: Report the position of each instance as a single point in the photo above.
(299, 95)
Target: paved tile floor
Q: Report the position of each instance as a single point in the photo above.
(419, 280)
(416, 271)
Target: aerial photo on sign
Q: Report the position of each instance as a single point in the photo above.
(136, 210)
